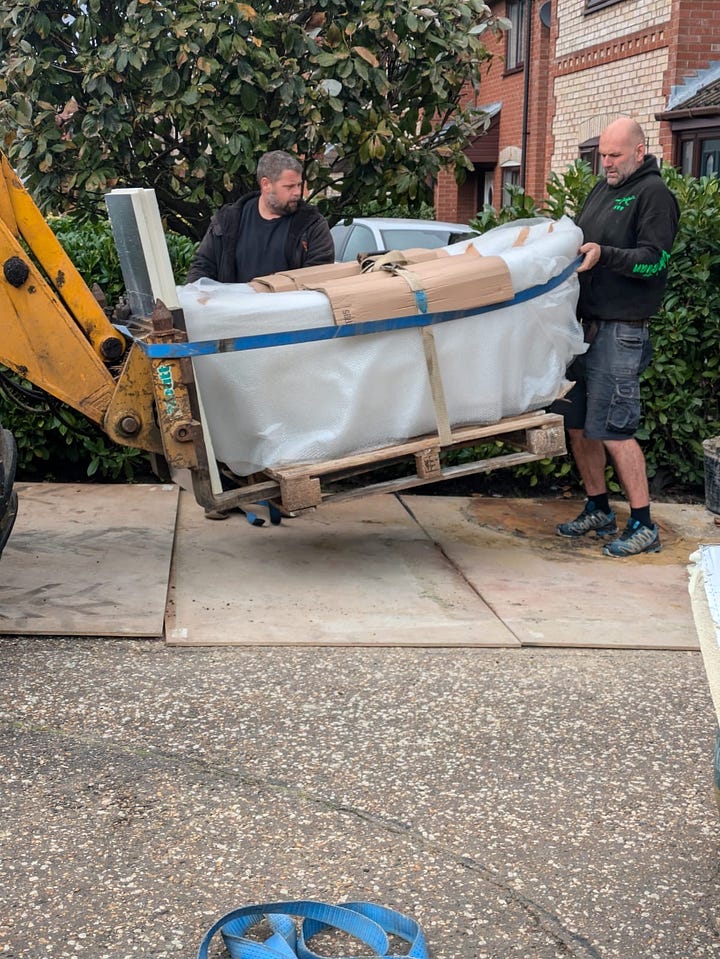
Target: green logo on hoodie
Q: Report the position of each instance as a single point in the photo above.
(622, 203)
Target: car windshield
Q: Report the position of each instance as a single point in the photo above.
(405, 239)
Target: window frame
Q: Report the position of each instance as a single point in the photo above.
(592, 5)
(589, 151)
(694, 137)
(516, 13)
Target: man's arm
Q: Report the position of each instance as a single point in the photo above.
(656, 226)
(205, 259)
(320, 246)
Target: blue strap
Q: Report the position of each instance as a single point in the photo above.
(421, 300)
(252, 518)
(273, 512)
(392, 922)
(162, 351)
(365, 921)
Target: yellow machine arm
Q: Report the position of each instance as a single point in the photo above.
(54, 333)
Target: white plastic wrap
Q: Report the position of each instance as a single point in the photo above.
(309, 402)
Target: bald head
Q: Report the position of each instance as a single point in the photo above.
(622, 149)
(627, 129)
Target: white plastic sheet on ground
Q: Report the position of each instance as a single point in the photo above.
(704, 587)
(309, 402)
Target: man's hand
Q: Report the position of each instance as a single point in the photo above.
(591, 251)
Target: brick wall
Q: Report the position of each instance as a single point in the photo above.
(697, 41)
(541, 105)
(577, 30)
(458, 204)
(588, 70)
(587, 100)
(446, 197)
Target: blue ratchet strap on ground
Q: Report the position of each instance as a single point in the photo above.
(163, 351)
(365, 921)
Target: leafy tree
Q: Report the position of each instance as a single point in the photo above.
(184, 97)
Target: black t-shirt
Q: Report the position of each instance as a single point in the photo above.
(261, 244)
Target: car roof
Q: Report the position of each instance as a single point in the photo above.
(405, 223)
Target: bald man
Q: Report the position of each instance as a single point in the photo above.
(629, 222)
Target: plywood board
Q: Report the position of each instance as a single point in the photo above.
(88, 560)
(360, 573)
(551, 591)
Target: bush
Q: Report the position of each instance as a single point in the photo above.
(56, 443)
(681, 386)
(417, 211)
(91, 248)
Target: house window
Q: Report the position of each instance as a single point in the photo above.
(488, 186)
(590, 153)
(710, 157)
(591, 5)
(515, 49)
(699, 152)
(687, 152)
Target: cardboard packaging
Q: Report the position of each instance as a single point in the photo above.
(309, 276)
(448, 283)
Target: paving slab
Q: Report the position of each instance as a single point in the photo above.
(552, 591)
(359, 573)
(410, 570)
(88, 560)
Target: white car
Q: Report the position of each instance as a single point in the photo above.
(374, 234)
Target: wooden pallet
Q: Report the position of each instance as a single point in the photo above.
(536, 436)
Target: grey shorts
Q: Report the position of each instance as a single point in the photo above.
(605, 400)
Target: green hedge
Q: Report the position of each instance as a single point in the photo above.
(92, 250)
(681, 388)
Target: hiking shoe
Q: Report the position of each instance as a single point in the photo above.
(635, 539)
(603, 524)
(216, 514)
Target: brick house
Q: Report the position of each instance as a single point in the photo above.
(566, 68)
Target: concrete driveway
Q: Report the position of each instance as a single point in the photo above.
(520, 800)
(519, 803)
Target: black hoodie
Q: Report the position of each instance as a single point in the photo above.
(635, 225)
(309, 242)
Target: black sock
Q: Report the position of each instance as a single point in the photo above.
(599, 501)
(641, 514)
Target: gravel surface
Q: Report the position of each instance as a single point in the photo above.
(520, 804)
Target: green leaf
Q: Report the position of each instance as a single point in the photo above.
(248, 97)
(171, 83)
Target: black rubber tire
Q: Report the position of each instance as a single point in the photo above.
(8, 496)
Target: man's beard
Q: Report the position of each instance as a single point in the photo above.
(282, 209)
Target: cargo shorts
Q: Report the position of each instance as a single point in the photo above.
(605, 400)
